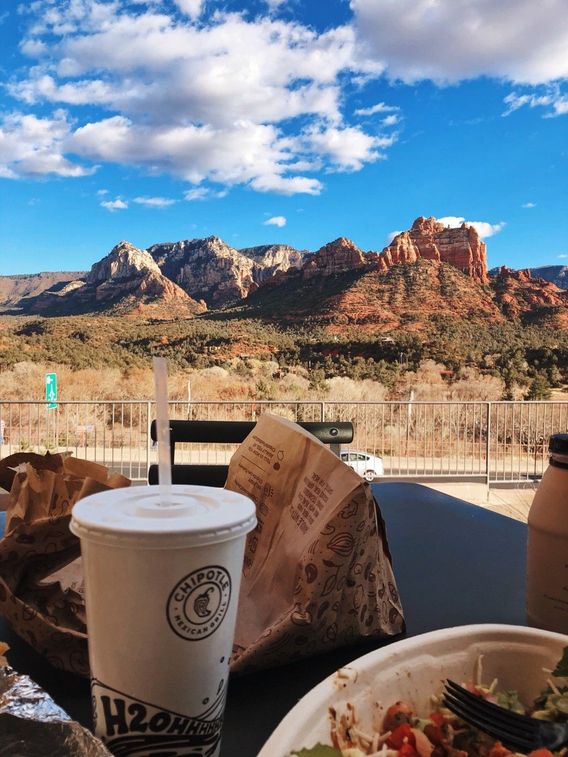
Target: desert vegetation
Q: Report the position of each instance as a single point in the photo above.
(241, 362)
(247, 379)
(110, 358)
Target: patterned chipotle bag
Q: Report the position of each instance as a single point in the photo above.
(317, 572)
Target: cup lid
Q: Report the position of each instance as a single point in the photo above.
(136, 516)
(558, 443)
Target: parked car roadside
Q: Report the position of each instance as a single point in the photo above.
(366, 465)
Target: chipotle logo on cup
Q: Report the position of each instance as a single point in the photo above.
(198, 603)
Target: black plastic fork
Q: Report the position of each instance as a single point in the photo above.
(518, 732)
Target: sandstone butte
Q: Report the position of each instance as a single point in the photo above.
(427, 263)
(428, 239)
(431, 240)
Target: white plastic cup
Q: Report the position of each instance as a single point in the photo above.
(161, 592)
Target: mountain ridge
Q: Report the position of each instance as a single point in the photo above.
(427, 270)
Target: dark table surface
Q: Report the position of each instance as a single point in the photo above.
(455, 563)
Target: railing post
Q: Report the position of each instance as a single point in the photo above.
(322, 411)
(488, 448)
(148, 424)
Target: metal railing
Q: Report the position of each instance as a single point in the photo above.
(490, 441)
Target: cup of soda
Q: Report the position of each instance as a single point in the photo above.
(161, 591)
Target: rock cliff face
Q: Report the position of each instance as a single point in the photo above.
(429, 239)
(406, 296)
(425, 272)
(123, 263)
(211, 270)
(126, 281)
(426, 240)
(556, 274)
(271, 258)
(16, 290)
(531, 300)
(207, 269)
(335, 257)
(129, 272)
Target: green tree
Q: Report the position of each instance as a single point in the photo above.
(538, 389)
(317, 380)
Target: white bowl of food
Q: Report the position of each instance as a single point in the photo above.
(351, 709)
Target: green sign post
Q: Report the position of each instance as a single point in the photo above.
(51, 390)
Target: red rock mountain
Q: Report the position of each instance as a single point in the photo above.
(207, 270)
(126, 281)
(335, 257)
(406, 296)
(531, 300)
(431, 240)
(428, 239)
(426, 272)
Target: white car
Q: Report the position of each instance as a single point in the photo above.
(368, 466)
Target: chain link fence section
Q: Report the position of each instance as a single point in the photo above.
(497, 442)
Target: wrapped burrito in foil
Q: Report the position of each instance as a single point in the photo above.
(32, 724)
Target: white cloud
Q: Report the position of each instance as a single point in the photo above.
(102, 192)
(528, 205)
(347, 148)
(191, 8)
(34, 48)
(150, 65)
(155, 202)
(32, 147)
(7, 173)
(244, 153)
(483, 228)
(275, 4)
(287, 185)
(391, 120)
(279, 221)
(562, 255)
(451, 40)
(199, 193)
(550, 97)
(117, 204)
(230, 100)
(378, 108)
(203, 193)
(391, 235)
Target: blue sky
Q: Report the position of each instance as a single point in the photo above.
(292, 121)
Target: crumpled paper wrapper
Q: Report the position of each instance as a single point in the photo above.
(317, 570)
(31, 722)
(41, 584)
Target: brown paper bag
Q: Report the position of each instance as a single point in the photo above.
(40, 569)
(317, 572)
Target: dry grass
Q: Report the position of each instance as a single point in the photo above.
(248, 379)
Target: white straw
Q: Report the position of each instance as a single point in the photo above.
(163, 429)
